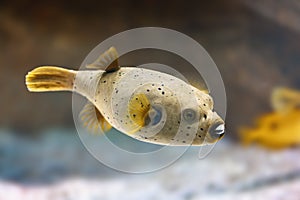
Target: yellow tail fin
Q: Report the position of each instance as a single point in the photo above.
(50, 78)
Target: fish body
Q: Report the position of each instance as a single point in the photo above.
(147, 105)
(280, 128)
(275, 130)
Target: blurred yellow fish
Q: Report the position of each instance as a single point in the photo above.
(147, 105)
(281, 128)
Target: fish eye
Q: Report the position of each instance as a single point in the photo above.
(154, 116)
(189, 115)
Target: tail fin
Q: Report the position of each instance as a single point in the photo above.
(50, 78)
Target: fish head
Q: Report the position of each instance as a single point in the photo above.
(174, 118)
(211, 127)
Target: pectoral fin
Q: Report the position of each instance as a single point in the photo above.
(107, 61)
(93, 119)
(139, 107)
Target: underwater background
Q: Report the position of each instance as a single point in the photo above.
(255, 45)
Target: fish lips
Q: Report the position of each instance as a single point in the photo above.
(216, 130)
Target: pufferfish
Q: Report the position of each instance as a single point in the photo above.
(278, 129)
(145, 104)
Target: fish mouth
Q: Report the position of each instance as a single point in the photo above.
(217, 130)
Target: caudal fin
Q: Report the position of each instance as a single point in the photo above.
(50, 78)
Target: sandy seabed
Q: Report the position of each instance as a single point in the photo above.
(52, 171)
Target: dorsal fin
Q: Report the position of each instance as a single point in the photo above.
(285, 100)
(199, 84)
(93, 119)
(107, 61)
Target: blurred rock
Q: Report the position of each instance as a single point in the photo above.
(254, 53)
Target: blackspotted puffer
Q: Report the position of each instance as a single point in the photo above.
(147, 105)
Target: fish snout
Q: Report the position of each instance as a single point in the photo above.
(217, 130)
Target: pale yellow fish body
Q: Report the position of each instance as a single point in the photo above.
(147, 105)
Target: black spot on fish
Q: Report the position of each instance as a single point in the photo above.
(152, 84)
(188, 127)
(201, 129)
(134, 115)
(204, 104)
(205, 116)
(162, 92)
(199, 136)
(148, 90)
(104, 81)
(183, 141)
(159, 88)
(113, 82)
(136, 98)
